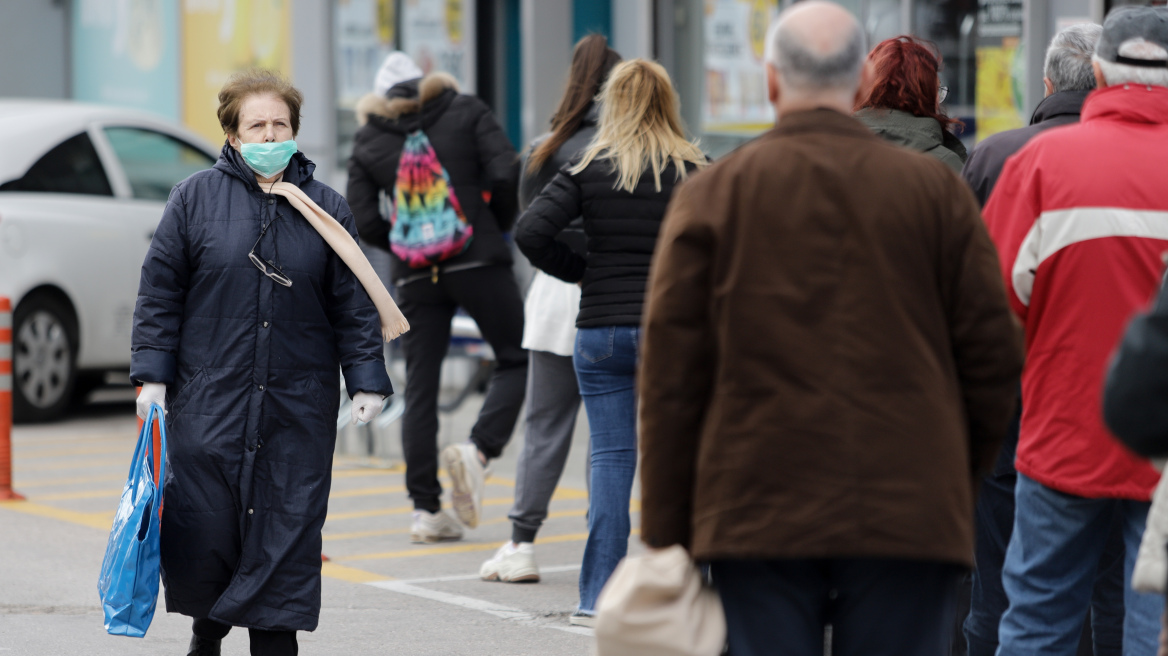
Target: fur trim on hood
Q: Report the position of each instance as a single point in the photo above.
(394, 106)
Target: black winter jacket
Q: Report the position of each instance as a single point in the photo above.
(470, 145)
(621, 229)
(1135, 396)
(252, 373)
(530, 184)
(985, 163)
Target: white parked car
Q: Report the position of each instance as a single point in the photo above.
(82, 188)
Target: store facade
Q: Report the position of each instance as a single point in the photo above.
(171, 56)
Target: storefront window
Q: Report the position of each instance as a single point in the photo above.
(950, 25)
(363, 34)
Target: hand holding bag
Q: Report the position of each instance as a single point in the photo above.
(655, 605)
(128, 584)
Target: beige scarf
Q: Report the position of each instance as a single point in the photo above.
(393, 322)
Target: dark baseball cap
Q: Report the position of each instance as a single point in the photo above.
(1127, 23)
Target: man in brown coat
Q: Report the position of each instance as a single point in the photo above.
(829, 359)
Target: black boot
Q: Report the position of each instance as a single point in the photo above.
(203, 647)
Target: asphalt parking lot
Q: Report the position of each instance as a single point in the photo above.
(381, 594)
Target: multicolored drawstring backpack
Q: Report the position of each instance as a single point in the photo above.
(427, 225)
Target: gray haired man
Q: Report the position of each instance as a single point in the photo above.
(1068, 77)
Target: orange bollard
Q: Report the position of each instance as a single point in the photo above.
(6, 491)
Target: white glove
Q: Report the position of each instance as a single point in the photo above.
(366, 406)
(151, 393)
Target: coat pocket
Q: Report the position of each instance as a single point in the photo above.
(175, 404)
(320, 400)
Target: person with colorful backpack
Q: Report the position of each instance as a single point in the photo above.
(450, 175)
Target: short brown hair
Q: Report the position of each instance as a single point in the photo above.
(256, 82)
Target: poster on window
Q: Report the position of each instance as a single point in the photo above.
(363, 34)
(221, 37)
(1000, 67)
(735, 90)
(439, 35)
(125, 53)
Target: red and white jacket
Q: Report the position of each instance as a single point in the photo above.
(1080, 218)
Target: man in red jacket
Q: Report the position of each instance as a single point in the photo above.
(1080, 217)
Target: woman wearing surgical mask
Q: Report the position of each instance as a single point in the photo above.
(246, 318)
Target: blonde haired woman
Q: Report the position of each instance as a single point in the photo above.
(620, 185)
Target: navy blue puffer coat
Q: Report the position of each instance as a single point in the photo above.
(251, 369)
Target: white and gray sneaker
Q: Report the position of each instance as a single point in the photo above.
(467, 476)
(513, 563)
(431, 527)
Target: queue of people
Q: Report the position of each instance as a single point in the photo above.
(852, 360)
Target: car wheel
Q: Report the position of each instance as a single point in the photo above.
(44, 359)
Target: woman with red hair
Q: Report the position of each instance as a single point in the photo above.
(903, 102)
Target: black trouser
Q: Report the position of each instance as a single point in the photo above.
(263, 643)
(490, 296)
(876, 607)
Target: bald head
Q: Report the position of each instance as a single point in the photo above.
(817, 46)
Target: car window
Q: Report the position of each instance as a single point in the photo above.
(73, 167)
(154, 162)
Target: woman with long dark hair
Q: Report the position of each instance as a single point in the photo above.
(903, 102)
(620, 184)
(553, 397)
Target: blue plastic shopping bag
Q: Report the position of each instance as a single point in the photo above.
(128, 584)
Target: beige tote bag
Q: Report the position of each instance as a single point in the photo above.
(655, 605)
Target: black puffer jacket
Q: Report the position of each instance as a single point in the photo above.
(621, 229)
(470, 145)
(530, 184)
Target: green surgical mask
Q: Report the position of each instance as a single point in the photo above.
(268, 159)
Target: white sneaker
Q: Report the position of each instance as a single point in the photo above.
(467, 475)
(434, 527)
(512, 564)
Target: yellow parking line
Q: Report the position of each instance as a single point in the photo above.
(101, 520)
(62, 453)
(350, 574)
(353, 535)
(53, 442)
(461, 548)
(367, 492)
(360, 514)
(362, 473)
(85, 464)
(104, 521)
(73, 480)
(91, 494)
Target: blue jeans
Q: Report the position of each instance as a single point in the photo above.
(995, 523)
(1051, 566)
(606, 367)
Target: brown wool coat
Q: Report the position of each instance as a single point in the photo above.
(829, 358)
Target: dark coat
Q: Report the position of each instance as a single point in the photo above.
(621, 229)
(252, 376)
(470, 145)
(1135, 397)
(985, 163)
(531, 184)
(829, 356)
(920, 133)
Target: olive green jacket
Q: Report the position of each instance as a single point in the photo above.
(920, 133)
